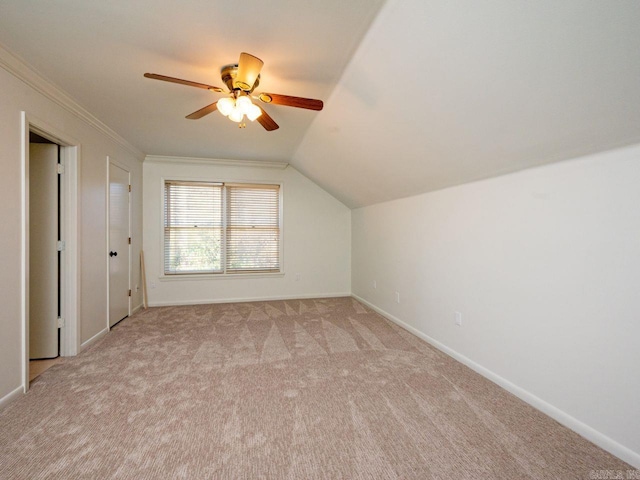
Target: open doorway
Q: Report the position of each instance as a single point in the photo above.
(45, 248)
(50, 276)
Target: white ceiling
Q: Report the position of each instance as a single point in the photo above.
(98, 51)
(438, 93)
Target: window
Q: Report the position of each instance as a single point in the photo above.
(221, 228)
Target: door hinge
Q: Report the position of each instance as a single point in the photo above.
(61, 245)
(129, 292)
(129, 188)
(60, 322)
(60, 169)
(129, 240)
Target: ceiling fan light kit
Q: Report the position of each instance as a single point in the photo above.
(242, 79)
(236, 108)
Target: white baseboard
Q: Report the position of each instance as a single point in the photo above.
(94, 339)
(591, 434)
(11, 397)
(136, 309)
(171, 303)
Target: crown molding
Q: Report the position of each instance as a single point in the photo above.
(216, 161)
(23, 71)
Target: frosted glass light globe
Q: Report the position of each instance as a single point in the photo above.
(244, 104)
(226, 106)
(254, 112)
(236, 115)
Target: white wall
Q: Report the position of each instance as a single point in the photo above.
(316, 236)
(544, 266)
(17, 96)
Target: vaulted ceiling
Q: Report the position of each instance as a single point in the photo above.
(419, 94)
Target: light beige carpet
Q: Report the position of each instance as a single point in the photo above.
(280, 390)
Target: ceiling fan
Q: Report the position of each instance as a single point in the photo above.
(242, 79)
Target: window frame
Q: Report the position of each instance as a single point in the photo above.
(212, 275)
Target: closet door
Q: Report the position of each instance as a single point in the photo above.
(118, 244)
(43, 251)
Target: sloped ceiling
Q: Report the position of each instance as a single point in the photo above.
(419, 95)
(446, 92)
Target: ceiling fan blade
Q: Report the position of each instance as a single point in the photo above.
(203, 111)
(248, 70)
(266, 121)
(164, 78)
(298, 102)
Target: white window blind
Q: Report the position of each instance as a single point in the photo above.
(192, 227)
(253, 228)
(221, 228)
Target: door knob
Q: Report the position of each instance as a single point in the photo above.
(113, 254)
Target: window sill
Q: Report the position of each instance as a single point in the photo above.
(217, 276)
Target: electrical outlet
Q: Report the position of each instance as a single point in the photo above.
(137, 288)
(397, 297)
(375, 284)
(153, 284)
(297, 277)
(458, 318)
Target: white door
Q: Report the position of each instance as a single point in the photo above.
(118, 244)
(43, 250)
